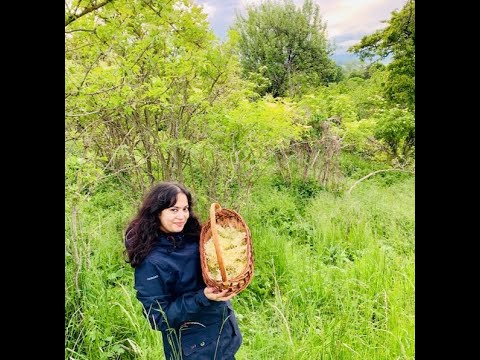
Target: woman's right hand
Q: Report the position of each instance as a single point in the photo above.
(215, 295)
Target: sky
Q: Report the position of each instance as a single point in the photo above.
(347, 20)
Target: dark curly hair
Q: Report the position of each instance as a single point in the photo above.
(143, 231)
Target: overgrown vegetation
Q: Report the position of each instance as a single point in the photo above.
(321, 168)
(398, 41)
(334, 276)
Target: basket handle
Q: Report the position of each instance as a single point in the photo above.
(218, 251)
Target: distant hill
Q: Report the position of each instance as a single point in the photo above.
(343, 58)
(347, 58)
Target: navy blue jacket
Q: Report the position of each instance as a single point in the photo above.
(170, 287)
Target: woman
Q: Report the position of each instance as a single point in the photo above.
(162, 246)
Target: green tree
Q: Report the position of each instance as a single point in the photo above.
(136, 74)
(289, 42)
(398, 41)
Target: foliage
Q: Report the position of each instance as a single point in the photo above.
(398, 41)
(362, 70)
(146, 102)
(365, 121)
(75, 9)
(137, 73)
(81, 174)
(285, 44)
(240, 144)
(355, 166)
(359, 135)
(396, 128)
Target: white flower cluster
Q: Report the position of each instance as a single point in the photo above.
(233, 245)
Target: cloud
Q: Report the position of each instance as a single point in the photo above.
(220, 14)
(208, 9)
(347, 20)
(346, 44)
(354, 16)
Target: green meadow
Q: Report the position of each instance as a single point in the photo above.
(334, 276)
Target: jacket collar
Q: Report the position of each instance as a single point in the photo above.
(171, 241)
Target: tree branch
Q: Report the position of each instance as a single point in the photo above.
(373, 173)
(72, 17)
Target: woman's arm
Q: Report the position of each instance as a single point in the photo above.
(153, 286)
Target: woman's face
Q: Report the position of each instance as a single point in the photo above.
(174, 218)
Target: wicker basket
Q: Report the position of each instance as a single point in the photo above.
(225, 217)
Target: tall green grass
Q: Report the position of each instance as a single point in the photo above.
(334, 277)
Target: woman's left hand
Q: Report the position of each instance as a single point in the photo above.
(215, 295)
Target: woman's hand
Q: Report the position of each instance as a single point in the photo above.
(215, 295)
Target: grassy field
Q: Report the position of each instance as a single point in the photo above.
(334, 276)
